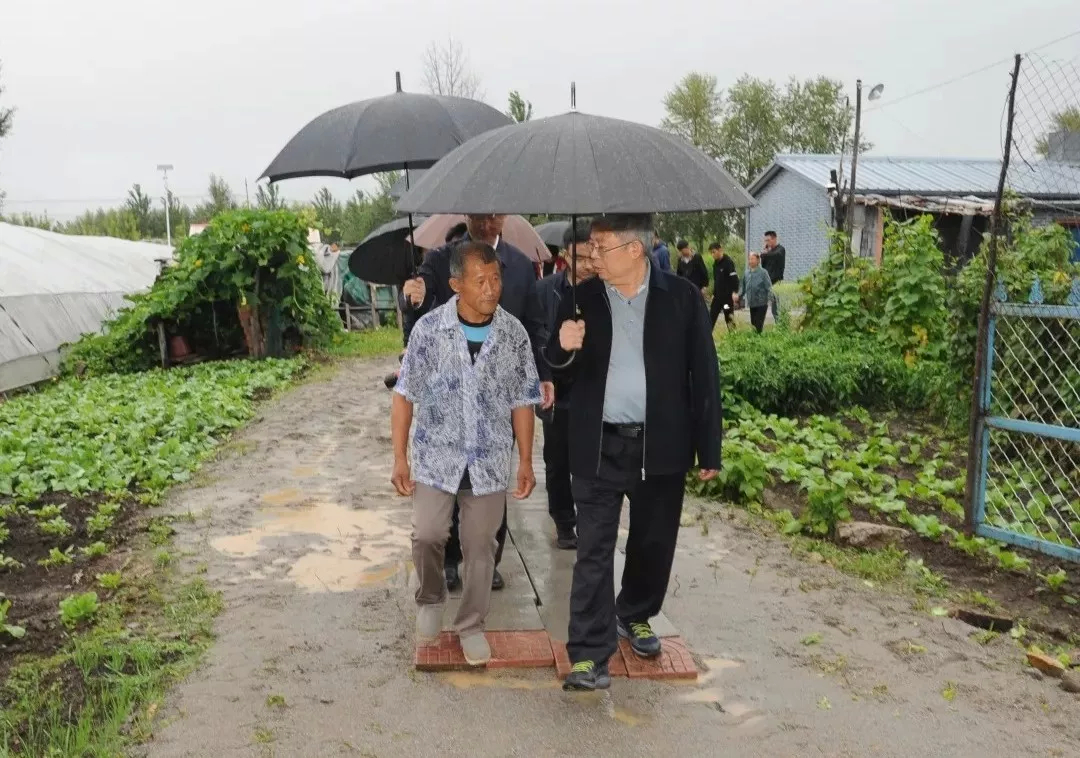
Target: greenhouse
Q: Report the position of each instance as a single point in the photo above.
(55, 287)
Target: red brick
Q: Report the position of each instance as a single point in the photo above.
(674, 661)
(616, 666)
(508, 650)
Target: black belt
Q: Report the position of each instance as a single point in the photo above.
(630, 431)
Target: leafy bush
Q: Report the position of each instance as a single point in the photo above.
(75, 609)
(15, 632)
(257, 259)
(817, 371)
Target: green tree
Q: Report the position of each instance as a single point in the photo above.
(694, 109)
(220, 199)
(269, 197)
(329, 215)
(139, 205)
(750, 134)
(519, 108)
(1067, 120)
(815, 117)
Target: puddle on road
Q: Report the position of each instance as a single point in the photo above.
(357, 547)
(468, 680)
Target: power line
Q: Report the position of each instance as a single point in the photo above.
(961, 77)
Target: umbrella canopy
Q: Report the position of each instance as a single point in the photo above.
(383, 256)
(575, 164)
(552, 232)
(516, 230)
(396, 131)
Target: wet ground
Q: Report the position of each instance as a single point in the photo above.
(314, 656)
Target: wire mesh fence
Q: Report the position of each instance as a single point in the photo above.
(1026, 425)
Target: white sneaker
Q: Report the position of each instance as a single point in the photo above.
(476, 649)
(429, 622)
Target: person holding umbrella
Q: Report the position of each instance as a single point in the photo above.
(431, 288)
(550, 292)
(646, 407)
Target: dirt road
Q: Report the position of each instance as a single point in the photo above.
(303, 534)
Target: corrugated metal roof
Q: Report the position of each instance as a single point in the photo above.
(933, 176)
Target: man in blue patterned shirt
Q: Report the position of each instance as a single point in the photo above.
(470, 375)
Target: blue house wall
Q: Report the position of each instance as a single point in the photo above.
(798, 211)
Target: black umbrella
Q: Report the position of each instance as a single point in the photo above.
(383, 256)
(575, 164)
(402, 130)
(552, 232)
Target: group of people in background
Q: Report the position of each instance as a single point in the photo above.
(763, 270)
(487, 346)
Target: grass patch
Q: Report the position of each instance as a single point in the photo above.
(370, 343)
(102, 690)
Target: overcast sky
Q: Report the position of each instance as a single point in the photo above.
(107, 89)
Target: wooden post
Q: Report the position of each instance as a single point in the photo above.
(162, 346)
(372, 292)
(397, 305)
(348, 318)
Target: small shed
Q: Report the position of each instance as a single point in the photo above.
(797, 198)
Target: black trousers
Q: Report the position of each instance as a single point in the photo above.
(722, 305)
(557, 469)
(655, 508)
(757, 317)
(453, 545)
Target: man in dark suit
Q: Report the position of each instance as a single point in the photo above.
(691, 266)
(646, 402)
(725, 286)
(550, 293)
(431, 288)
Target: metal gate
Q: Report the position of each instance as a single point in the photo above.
(1028, 483)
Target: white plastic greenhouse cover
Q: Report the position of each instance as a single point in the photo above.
(56, 287)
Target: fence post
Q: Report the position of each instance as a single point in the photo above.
(348, 318)
(978, 433)
(373, 292)
(397, 306)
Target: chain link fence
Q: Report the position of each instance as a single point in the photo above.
(1024, 476)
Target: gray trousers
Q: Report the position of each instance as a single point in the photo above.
(481, 517)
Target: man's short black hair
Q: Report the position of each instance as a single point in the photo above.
(456, 232)
(467, 250)
(682, 245)
(578, 233)
(716, 246)
(639, 223)
(770, 233)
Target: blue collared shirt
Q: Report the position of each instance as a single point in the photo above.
(463, 409)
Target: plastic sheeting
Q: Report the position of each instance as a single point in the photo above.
(56, 287)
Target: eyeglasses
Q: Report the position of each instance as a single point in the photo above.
(596, 252)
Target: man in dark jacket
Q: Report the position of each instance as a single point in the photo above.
(661, 256)
(725, 285)
(646, 406)
(550, 293)
(772, 260)
(431, 288)
(691, 266)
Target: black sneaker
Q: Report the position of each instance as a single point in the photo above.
(497, 582)
(587, 676)
(565, 539)
(453, 579)
(643, 641)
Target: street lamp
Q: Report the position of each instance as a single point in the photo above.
(875, 94)
(164, 168)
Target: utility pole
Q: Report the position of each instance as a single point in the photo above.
(165, 168)
(850, 216)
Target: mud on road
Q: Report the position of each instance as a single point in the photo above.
(304, 536)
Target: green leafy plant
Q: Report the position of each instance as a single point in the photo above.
(15, 632)
(109, 580)
(95, 550)
(1056, 580)
(256, 260)
(826, 508)
(57, 557)
(7, 563)
(76, 609)
(55, 527)
(97, 524)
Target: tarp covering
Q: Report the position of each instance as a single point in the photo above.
(56, 287)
